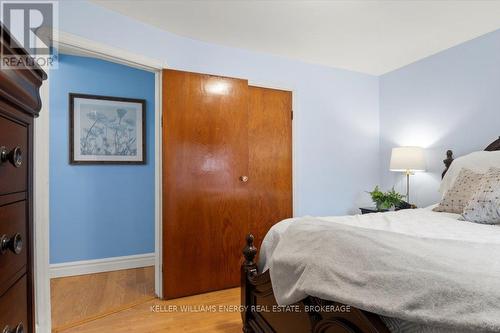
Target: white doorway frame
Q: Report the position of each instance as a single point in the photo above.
(71, 44)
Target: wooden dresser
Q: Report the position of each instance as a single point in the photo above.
(19, 104)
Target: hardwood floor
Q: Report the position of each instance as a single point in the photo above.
(78, 299)
(211, 312)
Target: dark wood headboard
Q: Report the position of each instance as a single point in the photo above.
(494, 146)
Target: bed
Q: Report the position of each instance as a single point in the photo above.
(300, 302)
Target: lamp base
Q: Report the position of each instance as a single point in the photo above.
(408, 186)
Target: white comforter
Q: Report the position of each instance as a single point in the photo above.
(416, 265)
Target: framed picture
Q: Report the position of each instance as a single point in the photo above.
(107, 130)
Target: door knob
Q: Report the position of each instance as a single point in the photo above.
(244, 179)
(15, 244)
(15, 156)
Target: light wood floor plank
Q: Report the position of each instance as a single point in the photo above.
(143, 318)
(78, 299)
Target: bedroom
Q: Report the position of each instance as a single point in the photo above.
(359, 78)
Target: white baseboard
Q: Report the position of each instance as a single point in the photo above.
(101, 265)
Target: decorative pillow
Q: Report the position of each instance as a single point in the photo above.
(460, 193)
(484, 206)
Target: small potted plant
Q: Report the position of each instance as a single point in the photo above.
(385, 201)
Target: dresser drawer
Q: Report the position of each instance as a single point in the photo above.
(13, 236)
(14, 307)
(13, 156)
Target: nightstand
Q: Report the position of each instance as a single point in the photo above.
(369, 210)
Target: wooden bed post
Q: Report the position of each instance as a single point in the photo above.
(447, 162)
(248, 269)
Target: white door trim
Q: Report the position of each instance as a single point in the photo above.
(76, 45)
(41, 214)
(158, 186)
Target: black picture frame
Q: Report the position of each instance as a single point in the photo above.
(76, 161)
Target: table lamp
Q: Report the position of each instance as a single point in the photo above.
(408, 160)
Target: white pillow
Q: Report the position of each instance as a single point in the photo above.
(479, 162)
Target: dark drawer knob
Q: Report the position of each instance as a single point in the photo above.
(15, 156)
(18, 329)
(15, 244)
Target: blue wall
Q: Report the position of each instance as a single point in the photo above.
(450, 100)
(98, 211)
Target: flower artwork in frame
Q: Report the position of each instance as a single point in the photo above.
(107, 130)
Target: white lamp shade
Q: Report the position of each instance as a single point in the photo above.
(407, 159)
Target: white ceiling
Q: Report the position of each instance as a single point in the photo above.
(367, 36)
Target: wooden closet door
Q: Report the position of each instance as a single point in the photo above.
(270, 159)
(205, 209)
